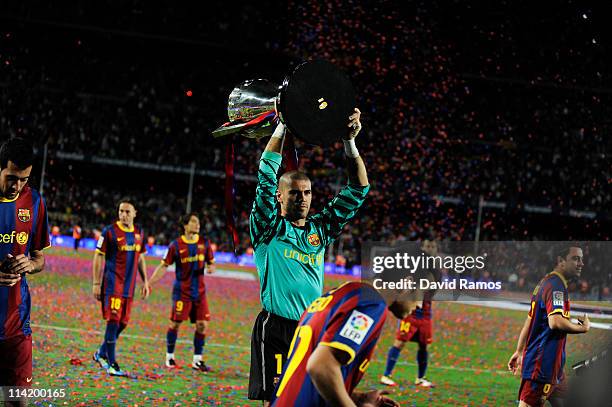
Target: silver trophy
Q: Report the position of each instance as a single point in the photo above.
(314, 102)
(251, 100)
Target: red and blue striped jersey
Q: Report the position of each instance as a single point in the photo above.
(544, 355)
(23, 228)
(349, 318)
(122, 248)
(424, 311)
(190, 258)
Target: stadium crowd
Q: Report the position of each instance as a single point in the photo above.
(430, 131)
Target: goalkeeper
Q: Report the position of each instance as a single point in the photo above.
(290, 250)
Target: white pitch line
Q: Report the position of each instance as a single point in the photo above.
(460, 369)
(221, 345)
(147, 338)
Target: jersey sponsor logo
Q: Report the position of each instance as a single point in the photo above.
(557, 298)
(21, 237)
(28, 379)
(356, 328)
(314, 240)
(7, 237)
(192, 259)
(312, 259)
(23, 214)
(129, 247)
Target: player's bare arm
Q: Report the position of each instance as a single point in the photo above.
(159, 272)
(560, 323)
(98, 262)
(275, 144)
(145, 290)
(357, 173)
(515, 362)
(324, 370)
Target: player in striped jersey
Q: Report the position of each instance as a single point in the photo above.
(541, 344)
(416, 327)
(24, 233)
(190, 254)
(119, 256)
(333, 345)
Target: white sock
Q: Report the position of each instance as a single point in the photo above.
(169, 356)
(197, 358)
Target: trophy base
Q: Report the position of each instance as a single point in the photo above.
(261, 129)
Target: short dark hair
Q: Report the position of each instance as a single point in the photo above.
(17, 150)
(563, 250)
(184, 219)
(125, 200)
(295, 176)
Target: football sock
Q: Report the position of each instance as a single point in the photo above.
(391, 360)
(121, 328)
(198, 343)
(102, 350)
(422, 362)
(171, 336)
(110, 340)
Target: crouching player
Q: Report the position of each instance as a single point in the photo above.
(191, 254)
(416, 327)
(333, 345)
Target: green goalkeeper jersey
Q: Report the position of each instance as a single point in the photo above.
(290, 259)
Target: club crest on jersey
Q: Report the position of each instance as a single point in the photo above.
(23, 215)
(357, 327)
(314, 240)
(557, 298)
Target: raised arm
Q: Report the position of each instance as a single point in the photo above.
(275, 144)
(357, 173)
(336, 214)
(263, 213)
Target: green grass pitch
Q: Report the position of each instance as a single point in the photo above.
(467, 359)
